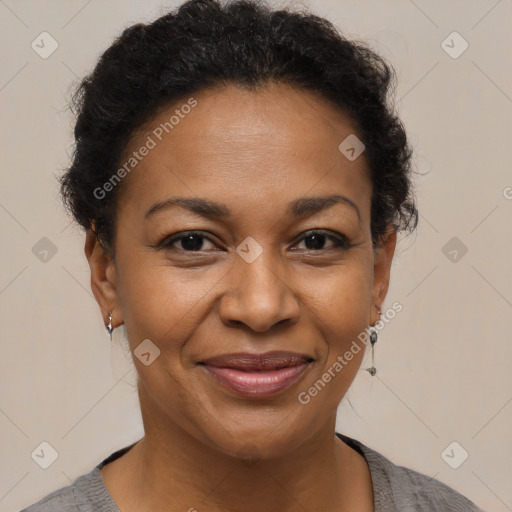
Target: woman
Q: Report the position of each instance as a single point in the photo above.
(265, 138)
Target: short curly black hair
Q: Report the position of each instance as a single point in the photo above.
(204, 44)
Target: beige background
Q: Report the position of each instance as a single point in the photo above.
(444, 362)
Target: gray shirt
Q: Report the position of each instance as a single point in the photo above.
(395, 489)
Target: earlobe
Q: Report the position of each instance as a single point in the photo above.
(103, 278)
(382, 270)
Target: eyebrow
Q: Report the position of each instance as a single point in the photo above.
(302, 207)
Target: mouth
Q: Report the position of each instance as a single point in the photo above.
(257, 375)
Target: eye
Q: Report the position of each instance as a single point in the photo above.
(315, 240)
(190, 241)
(193, 241)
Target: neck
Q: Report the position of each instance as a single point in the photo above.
(171, 470)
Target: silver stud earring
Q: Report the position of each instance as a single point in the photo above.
(110, 328)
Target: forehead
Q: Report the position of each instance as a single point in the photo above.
(246, 148)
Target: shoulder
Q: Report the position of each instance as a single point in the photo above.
(421, 492)
(59, 500)
(86, 494)
(398, 488)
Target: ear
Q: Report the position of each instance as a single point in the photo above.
(103, 279)
(381, 271)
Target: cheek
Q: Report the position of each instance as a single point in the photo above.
(345, 315)
(342, 311)
(342, 299)
(162, 303)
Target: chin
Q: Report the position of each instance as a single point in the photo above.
(257, 439)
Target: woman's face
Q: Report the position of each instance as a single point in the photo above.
(264, 169)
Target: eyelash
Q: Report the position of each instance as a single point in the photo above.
(340, 241)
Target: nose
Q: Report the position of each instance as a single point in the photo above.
(260, 295)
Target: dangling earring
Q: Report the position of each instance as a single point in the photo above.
(373, 339)
(110, 328)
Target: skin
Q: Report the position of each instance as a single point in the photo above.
(204, 447)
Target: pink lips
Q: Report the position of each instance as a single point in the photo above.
(257, 375)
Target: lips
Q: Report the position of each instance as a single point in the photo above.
(257, 375)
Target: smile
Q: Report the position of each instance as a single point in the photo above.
(257, 375)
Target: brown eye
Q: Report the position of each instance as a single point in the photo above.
(191, 241)
(315, 241)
